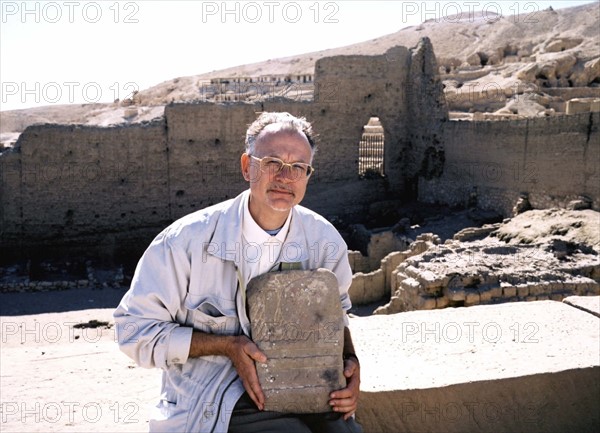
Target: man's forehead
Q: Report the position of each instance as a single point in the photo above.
(277, 129)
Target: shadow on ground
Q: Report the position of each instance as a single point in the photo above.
(18, 304)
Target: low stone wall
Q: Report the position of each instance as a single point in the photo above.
(518, 367)
(21, 280)
(367, 288)
(358, 262)
(373, 286)
(490, 164)
(377, 245)
(42, 286)
(583, 105)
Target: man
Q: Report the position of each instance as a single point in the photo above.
(185, 311)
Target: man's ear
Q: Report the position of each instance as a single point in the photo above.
(245, 163)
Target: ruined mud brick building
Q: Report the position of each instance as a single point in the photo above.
(109, 190)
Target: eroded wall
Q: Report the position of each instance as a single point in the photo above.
(110, 190)
(552, 160)
(84, 187)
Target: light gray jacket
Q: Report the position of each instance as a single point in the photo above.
(187, 279)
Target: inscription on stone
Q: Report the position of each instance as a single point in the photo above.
(297, 321)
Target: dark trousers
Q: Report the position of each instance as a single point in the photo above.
(246, 418)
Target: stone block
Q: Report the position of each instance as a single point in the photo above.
(590, 304)
(485, 294)
(537, 289)
(430, 282)
(441, 302)
(575, 106)
(455, 294)
(570, 286)
(425, 303)
(522, 290)
(394, 283)
(526, 378)
(411, 271)
(556, 287)
(393, 259)
(508, 290)
(593, 289)
(581, 287)
(297, 321)
(472, 297)
(410, 285)
(374, 286)
(496, 292)
(357, 289)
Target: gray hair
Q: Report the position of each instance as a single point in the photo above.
(289, 123)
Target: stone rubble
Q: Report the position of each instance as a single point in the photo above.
(15, 279)
(538, 255)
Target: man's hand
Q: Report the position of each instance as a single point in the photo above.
(243, 352)
(345, 400)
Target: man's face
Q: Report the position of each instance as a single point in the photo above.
(274, 194)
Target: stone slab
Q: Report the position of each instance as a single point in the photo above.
(591, 304)
(515, 367)
(297, 321)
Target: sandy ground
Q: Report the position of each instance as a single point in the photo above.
(63, 371)
(56, 377)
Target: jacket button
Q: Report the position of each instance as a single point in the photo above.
(175, 360)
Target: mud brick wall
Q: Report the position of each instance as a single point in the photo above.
(111, 190)
(84, 187)
(489, 164)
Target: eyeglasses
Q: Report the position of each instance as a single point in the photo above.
(273, 166)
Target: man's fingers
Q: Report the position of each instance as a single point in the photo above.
(345, 406)
(252, 386)
(346, 400)
(254, 352)
(349, 368)
(252, 383)
(260, 397)
(260, 404)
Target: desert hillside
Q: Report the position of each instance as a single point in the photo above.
(549, 56)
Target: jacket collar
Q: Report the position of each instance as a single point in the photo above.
(227, 236)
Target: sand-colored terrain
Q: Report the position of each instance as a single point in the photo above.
(60, 377)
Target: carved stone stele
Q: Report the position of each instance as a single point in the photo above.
(297, 321)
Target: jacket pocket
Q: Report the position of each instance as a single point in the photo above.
(169, 415)
(213, 315)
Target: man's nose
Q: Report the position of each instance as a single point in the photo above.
(286, 174)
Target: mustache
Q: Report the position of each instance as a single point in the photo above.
(280, 187)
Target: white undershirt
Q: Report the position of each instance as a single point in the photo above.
(260, 250)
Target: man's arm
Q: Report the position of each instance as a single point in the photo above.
(145, 318)
(242, 352)
(345, 400)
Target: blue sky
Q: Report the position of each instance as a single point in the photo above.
(94, 51)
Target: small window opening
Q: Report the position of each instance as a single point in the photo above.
(371, 149)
